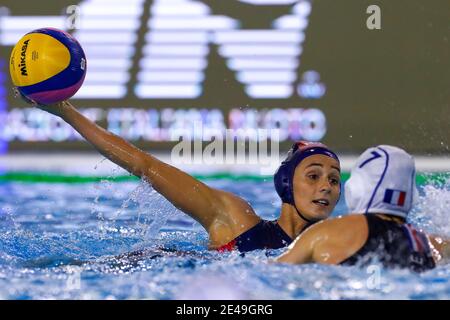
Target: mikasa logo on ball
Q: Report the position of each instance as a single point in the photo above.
(22, 65)
(83, 64)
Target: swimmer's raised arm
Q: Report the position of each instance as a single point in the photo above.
(210, 207)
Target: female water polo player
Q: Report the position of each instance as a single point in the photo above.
(308, 182)
(380, 192)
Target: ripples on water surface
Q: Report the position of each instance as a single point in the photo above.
(60, 241)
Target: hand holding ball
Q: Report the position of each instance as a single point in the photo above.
(47, 66)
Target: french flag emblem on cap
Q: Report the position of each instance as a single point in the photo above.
(395, 197)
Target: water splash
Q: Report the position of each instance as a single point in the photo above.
(41, 258)
(432, 210)
(7, 218)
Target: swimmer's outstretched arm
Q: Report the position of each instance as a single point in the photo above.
(302, 249)
(212, 208)
(326, 242)
(299, 252)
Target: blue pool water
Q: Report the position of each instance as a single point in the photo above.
(64, 241)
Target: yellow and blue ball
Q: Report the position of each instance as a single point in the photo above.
(47, 65)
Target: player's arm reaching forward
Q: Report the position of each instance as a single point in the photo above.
(221, 213)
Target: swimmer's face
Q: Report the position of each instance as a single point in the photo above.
(317, 186)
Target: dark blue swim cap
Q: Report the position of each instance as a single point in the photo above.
(284, 176)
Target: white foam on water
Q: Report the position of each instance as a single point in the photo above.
(210, 287)
(433, 208)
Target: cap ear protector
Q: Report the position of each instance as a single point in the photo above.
(284, 176)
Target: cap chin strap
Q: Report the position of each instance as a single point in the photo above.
(309, 221)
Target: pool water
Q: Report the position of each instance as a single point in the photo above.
(73, 241)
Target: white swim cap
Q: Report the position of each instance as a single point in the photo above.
(383, 180)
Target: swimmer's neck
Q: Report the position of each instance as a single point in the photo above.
(290, 221)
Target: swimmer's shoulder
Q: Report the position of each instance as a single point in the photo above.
(236, 212)
(338, 238)
(237, 217)
(337, 224)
